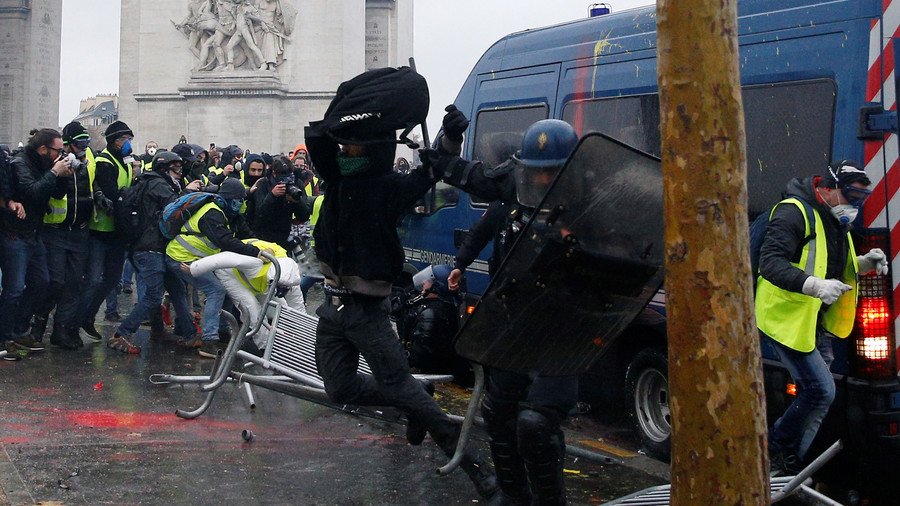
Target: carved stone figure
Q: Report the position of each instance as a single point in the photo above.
(231, 34)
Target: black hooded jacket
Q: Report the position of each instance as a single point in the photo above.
(785, 238)
(270, 216)
(31, 183)
(356, 235)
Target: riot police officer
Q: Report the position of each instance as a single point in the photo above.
(522, 412)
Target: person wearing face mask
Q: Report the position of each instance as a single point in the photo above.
(110, 174)
(66, 238)
(193, 159)
(806, 295)
(230, 165)
(147, 158)
(276, 201)
(38, 172)
(216, 226)
(522, 413)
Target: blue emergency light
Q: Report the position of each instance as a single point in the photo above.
(598, 9)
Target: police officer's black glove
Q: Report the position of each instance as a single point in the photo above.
(102, 203)
(455, 124)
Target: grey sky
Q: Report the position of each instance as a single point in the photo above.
(450, 37)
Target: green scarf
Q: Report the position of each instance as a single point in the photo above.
(351, 166)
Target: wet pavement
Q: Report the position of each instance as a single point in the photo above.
(87, 427)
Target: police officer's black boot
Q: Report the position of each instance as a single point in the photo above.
(508, 464)
(38, 327)
(543, 449)
(476, 469)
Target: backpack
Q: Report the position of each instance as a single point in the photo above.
(759, 227)
(129, 219)
(177, 213)
(378, 101)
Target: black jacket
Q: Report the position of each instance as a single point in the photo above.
(356, 235)
(80, 202)
(785, 240)
(489, 226)
(270, 217)
(32, 183)
(159, 191)
(227, 234)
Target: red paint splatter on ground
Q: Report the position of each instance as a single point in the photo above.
(115, 419)
(14, 440)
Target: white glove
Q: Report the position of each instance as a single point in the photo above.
(826, 289)
(873, 261)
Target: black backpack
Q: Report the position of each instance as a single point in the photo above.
(377, 102)
(760, 226)
(128, 215)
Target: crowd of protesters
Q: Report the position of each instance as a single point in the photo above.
(65, 252)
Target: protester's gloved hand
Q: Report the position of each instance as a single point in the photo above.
(434, 163)
(826, 289)
(873, 261)
(455, 124)
(102, 203)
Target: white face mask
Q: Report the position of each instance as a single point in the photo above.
(151, 151)
(844, 213)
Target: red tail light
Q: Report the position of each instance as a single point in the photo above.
(873, 335)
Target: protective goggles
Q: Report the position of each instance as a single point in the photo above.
(855, 196)
(82, 144)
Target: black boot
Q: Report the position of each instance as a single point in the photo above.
(39, 327)
(60, 338)
(543, 449)
(74, 337)
(480, 473)
(508, 464)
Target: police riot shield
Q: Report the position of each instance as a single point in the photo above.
(582, 269)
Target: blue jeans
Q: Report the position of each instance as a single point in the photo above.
(127, 273)
(155, 278)
(794, 432)
(25, 279)
(104, 271)
(215, 298)
(67, 252)
(306, 282)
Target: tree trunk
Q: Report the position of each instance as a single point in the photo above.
(715, 370)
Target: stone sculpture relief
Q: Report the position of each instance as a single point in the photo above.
(226, 35)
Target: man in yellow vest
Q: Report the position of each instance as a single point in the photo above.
(246, 279)
(111, 174)
(65, 236)
(211, 229)
(806, 295)
(228, 166)
(147, 158)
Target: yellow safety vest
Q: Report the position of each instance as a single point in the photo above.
(260, 282)
(102, 221)
(314, 217)
(215, 171)
(790, 317)
(58, 209)
(191, 244)
(146, 166)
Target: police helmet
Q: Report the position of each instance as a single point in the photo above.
(187, 152)
(546, 146)
(437, 276)
(163, 159)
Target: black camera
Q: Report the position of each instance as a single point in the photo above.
(291, 188)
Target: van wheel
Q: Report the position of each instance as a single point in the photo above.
(647, 384)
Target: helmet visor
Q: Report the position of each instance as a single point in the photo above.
(532, 183)
(423, 276)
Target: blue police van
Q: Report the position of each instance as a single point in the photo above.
(818, 85)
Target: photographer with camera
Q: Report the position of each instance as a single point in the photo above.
(35, 174)
(275, 201)
(66, 238)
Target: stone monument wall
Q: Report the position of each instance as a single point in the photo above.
(30, 35)
(258, 96)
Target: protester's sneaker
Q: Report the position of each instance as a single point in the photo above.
(209, 349)
(117, 342)
(89, 332)
(28, 344)
(784, 464)
(190, 342)
(113, 317)
(416, 430)
(11, 352)
(62, 339)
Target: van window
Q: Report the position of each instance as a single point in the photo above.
(498, 133)
(789, 130)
